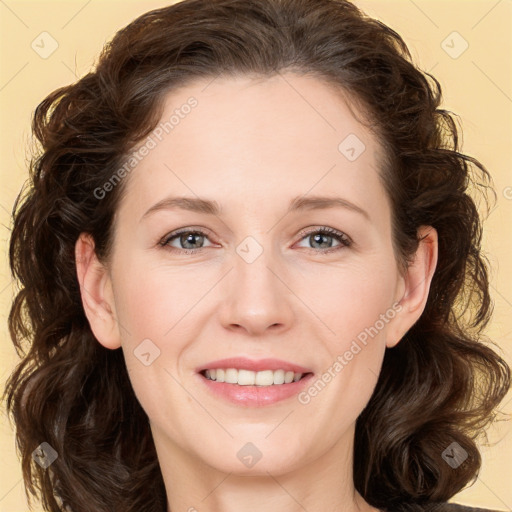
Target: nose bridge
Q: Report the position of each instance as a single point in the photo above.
(258, 298)
(252, 264)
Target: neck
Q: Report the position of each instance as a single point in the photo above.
(324, 484)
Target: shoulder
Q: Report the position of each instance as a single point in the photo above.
(440, 507)
(456, 507)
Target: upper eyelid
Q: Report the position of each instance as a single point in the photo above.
(329, 231)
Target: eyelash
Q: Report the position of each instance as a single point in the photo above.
(344, 240)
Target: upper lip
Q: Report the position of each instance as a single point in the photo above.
(243, 363)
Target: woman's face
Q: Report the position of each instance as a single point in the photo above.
(261, 280)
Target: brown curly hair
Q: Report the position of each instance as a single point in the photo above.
(440, 384)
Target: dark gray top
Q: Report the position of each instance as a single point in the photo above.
(447, 507)
(456, 507)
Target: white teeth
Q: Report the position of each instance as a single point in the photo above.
(279, 377)
(250, 378)
(245, 377)
(231, 376)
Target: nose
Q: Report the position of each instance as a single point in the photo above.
(256, 297)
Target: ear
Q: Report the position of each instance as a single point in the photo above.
(96, 292)
(415, 286)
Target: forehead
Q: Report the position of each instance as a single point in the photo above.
(239, 137)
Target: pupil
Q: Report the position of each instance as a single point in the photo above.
(318, 237)
(190, 236)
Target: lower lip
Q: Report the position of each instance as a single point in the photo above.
(255, 396)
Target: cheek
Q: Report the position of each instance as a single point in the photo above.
(358, 316)
(157, 302)
(153, 301)
(151, 310)
(350, 301)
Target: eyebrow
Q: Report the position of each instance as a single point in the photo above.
(205, 206)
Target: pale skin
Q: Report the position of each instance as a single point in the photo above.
(252, 146)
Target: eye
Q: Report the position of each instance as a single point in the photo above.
(323, 238)
(188, 240)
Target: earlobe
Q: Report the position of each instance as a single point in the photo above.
(416, 285)
(96, 292)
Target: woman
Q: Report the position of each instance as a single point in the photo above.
(309, 353)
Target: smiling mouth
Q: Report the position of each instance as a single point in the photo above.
(264, 378)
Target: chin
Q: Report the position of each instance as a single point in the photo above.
(255, 458)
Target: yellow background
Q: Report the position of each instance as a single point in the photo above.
(477, 86)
